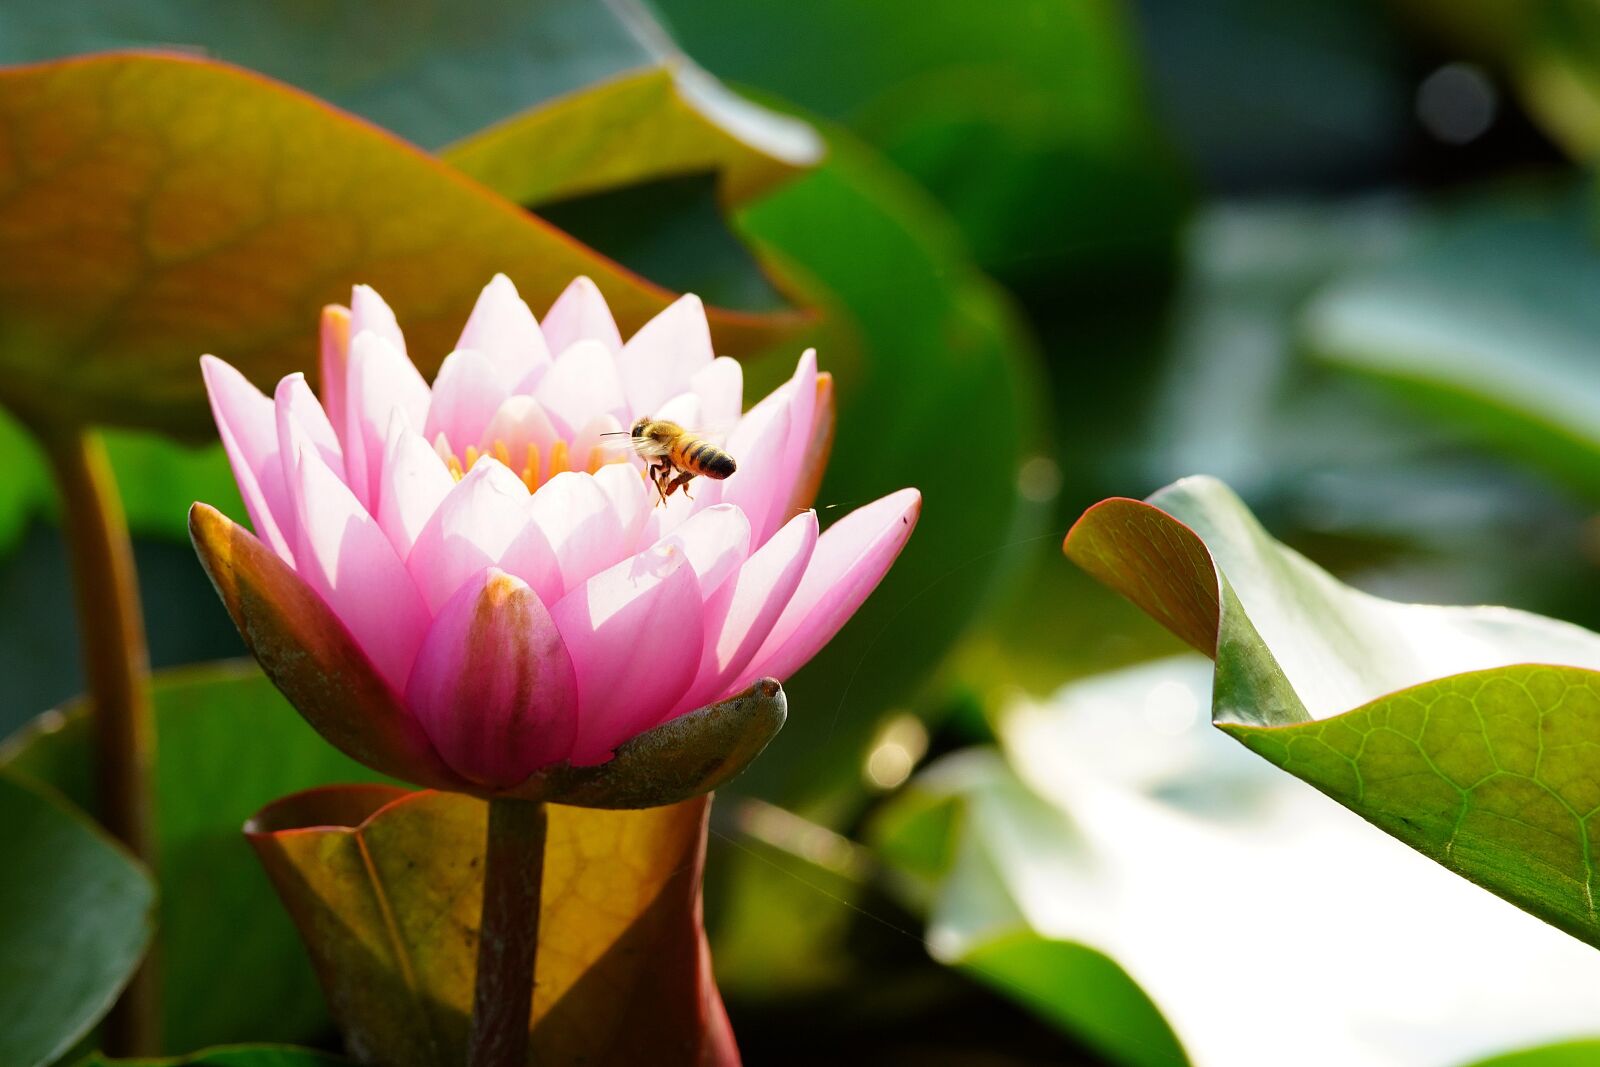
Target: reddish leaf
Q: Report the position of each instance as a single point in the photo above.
(154, 207)
(385, 887)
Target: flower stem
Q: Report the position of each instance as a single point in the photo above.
(117, 667)
(508, 934)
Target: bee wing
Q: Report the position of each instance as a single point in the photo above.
(646, 447)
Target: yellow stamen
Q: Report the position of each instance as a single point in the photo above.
(558, 458)
(455, 467)
(530, 470)
(472, 456)
(502, 453)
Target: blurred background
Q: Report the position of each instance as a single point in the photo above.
(1339, 254)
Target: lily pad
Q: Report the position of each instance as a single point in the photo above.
(1469, 733)
(76, 913)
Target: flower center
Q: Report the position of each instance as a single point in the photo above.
(528, 462)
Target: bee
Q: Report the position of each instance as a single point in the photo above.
(675, 455)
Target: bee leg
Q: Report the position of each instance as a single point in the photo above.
(681, 482)
(658, 475)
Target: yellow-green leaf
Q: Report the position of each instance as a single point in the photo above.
(386, 885)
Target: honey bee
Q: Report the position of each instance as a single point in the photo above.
(675, 455)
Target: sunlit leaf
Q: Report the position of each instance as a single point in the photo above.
(957, 834)
(1468, 733)
(227, 210)
(386, 885)
(76, 913)
(1491, 322)
(229, 743)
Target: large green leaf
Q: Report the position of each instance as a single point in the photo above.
(227, 210)
(956, 835)
(623, 104)
(1029, 125)
(929, 359)
(76, 913)
(1491, 321)
(1469, 733)
(229, 743)
(231, 1056)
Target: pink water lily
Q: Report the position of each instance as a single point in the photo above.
(494, 572)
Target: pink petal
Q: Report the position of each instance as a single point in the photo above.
(630, 496)
(580, 313)
(634, 631)
(493, 684)
(758, 445)
(601, 440)
(658, 361)
(720, 386)
(850, 560)
(466, 396)
(368, 313)
(714, 541)
(471, 529)
(296, 403)
(414, 483)
(335, 365)
(581, 525)
(248, 427)
(519, 422)
(381, 379)
(504, 330)
(341, 552)
(741, 614)
(802, 401)
(581, 384)
(683, 409)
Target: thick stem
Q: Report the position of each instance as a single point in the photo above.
(508, 934)
(117, 667)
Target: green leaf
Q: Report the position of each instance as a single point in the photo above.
(76, 913)
(386, 888)
(926, 353)
(199, 242)
(229, 743)
(1567, 1054)
(1491, 322)
(622, 103)
(230, 1056)
(1468, 733)
(953, 834)
(1031, 128)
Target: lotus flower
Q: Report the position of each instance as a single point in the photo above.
(468, 585)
